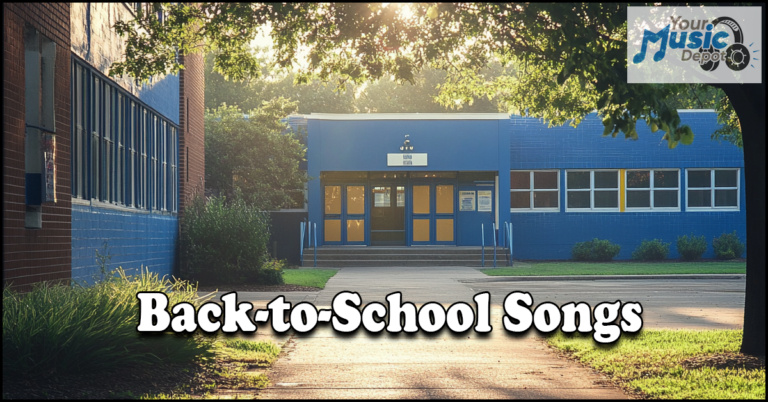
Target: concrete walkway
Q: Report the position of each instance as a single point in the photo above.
(326, 364)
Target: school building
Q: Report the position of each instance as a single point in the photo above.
(447, 180)
(89, 158)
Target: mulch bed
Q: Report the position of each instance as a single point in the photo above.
(258, 288)
(724, 360)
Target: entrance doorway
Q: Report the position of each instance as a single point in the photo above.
(433, 212)
(387, 214)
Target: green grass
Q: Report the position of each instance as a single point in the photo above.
(308, 277)
(254, 352)
(651, 363)
(619, 268)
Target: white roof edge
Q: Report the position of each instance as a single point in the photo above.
(695, 110)
(408, 116)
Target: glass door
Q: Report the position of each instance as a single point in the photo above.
(433, 213)
(344, 214)
(387, 214)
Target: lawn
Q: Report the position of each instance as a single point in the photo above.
(308, 277)
(673, 364)
(619, 268)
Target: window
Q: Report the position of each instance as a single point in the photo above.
(123, 153)
(712, 189)
(592, 190)
(95, 137)
(174, 169)
(534, 191)
(107, 147)
(653, 189)
(79, 146)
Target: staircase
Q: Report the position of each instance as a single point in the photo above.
(356, 256)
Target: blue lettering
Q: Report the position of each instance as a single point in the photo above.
(674, 43)
(708, 37)
(695, 40)
(716, 40)
(649, 36)
(407, 163)
(407, 156)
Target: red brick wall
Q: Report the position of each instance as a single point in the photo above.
(191, 138)
(33, 255)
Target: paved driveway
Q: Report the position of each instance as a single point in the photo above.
(325, 364)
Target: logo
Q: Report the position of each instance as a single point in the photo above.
(692, 44)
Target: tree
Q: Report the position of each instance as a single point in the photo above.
(316, 97)
(380, 96)
(253, 152)
(571, 60)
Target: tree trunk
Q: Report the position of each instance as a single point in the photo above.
(749, 103)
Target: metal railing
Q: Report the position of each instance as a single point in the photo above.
(482, 242)
(494, 244)
(301, 243)
(509, 243)
(306, 228)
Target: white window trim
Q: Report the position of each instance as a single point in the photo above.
(651, 189)
(712, 189)
(530, 191)
(591, 190)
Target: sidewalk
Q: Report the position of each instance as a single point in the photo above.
(326, 364)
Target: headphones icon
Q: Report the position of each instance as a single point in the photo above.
(737, 55)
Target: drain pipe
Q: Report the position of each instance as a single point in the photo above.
(315, 233)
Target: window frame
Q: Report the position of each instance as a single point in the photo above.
(591, 190)
(124, 153)
(531, 190)
(712, 189)
(651, 188)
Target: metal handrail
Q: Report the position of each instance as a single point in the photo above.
(494, 244)
(511, 254)
(309, 234)
(482, 242)
(301, 243)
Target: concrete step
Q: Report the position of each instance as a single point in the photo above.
(403, 256)
(402, 250)
(415, 257)
(400, 263)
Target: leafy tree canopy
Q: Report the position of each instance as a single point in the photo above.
(252, 152)
(571, 57)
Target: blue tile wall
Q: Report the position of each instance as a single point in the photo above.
(135, 240)
(533, 145)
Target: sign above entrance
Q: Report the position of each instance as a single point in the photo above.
(406, 159)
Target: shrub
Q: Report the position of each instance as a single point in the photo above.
(224, 240)
(271, 273)
(691, 248)
(652, 250)
(728, 246)
(75, 329)
(595, 250)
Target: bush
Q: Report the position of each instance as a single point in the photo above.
(224, 241)
(728, 246)
(595, 250)
(691, 248)
(75, 329)
(652, 250)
